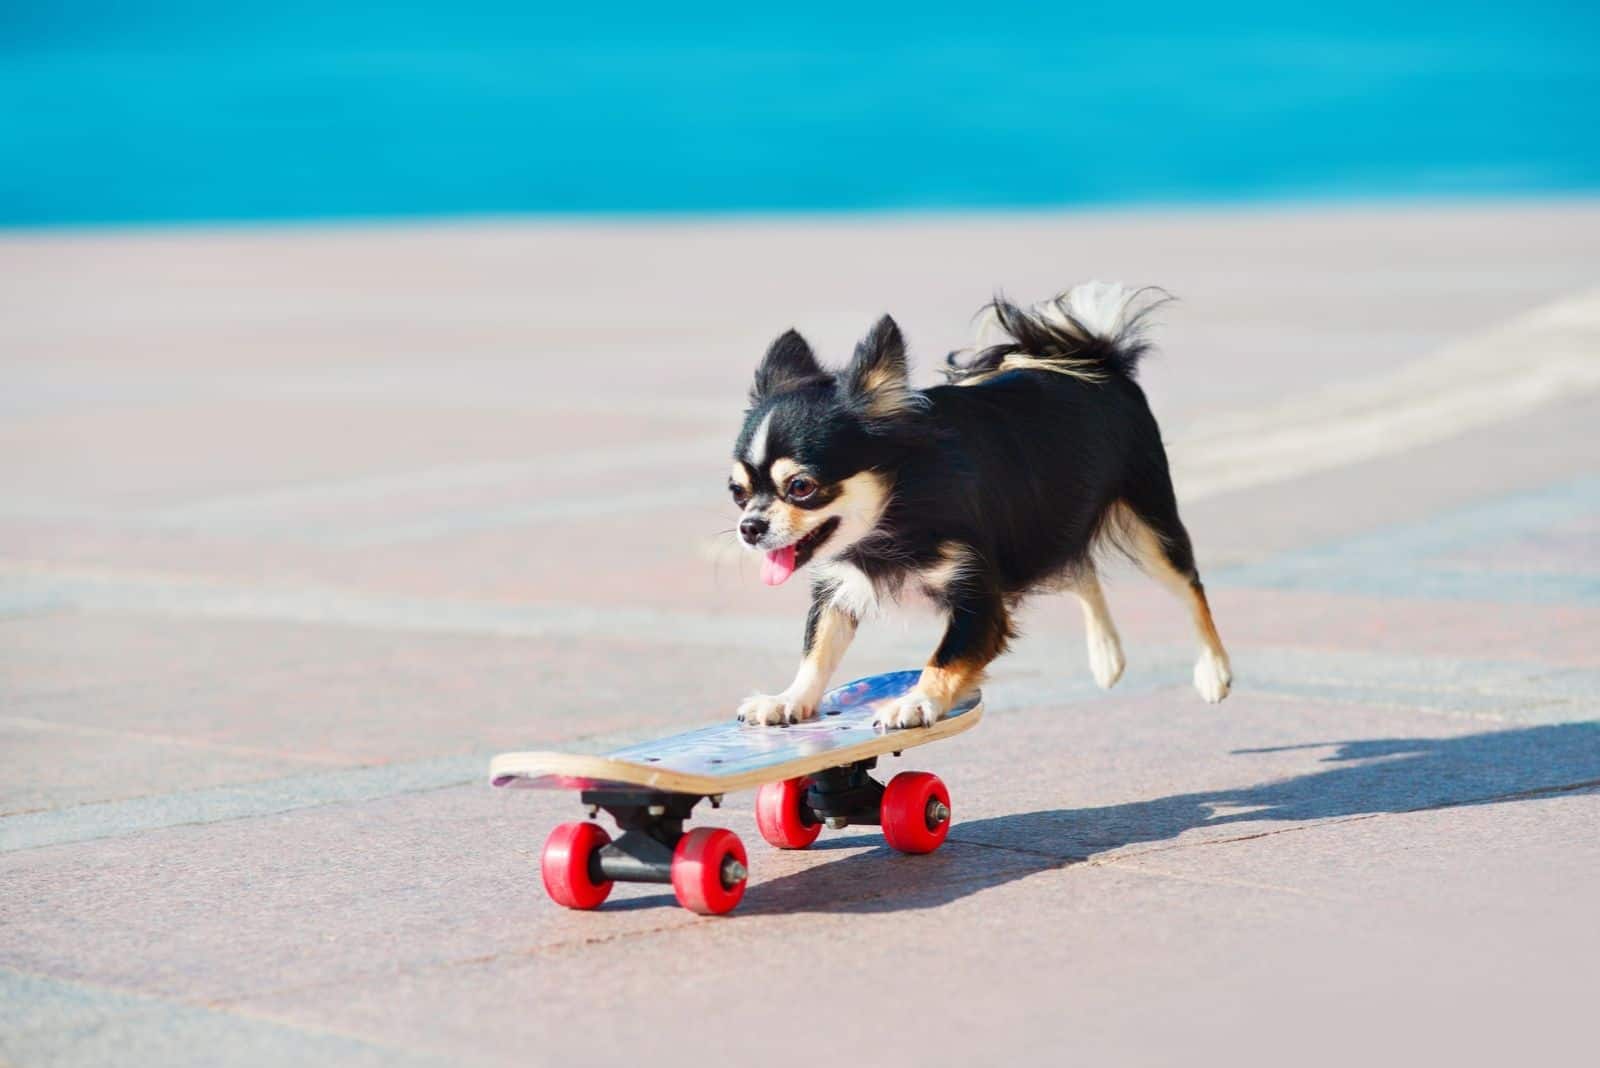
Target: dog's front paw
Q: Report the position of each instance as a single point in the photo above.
(776, 709)
(915, 709)
(1212, 676)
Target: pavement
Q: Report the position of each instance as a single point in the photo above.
(300, 525)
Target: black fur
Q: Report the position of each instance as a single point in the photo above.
(1019, 468)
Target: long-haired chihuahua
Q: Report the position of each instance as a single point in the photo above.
(1003, 482)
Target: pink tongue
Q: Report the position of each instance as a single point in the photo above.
(778, 566)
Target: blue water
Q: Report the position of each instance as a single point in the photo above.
(160, 111)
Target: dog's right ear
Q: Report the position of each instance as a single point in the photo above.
(877, 379)
(788, 363)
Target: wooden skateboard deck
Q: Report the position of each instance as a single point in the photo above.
(731, 756)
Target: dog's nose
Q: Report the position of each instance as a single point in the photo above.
(752, 529)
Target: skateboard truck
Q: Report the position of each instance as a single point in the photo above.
(839, 797)
(651, 825)
(706, 867)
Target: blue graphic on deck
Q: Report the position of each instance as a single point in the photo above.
(843, 719)
(730, 749)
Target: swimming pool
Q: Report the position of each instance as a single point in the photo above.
(149, 112)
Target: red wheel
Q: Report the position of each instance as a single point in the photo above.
(781, 814)
(564, 864)
(709, 871)
(916, 812)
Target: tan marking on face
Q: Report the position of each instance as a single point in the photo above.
(783, 469)
(797, 521)
(740, 476)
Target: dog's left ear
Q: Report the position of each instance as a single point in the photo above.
(877, 379)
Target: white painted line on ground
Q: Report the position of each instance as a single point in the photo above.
(1549, 355)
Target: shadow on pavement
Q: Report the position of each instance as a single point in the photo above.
(1364, 777)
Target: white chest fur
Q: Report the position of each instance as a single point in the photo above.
(853, 592)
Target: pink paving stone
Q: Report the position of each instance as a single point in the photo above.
(178, 704)
(1253, 885)
(326, 895)
(241, 445)
(1466, 862)
(601, 566)
(51, 765)
(1421, 950)
(525, 290)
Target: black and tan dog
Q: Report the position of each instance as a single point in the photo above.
(1000, 484)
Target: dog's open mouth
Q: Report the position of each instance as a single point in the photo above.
(779, 564)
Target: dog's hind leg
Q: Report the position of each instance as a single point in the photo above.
(1151, 530)
(1105, 648)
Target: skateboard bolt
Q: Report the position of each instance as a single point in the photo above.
(594, 811)
(938, 812)
(733, 873)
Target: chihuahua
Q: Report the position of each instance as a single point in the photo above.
(1000, 483)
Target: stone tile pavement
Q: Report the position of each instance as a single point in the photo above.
(299, 525)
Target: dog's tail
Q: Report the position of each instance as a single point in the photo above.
(1091, 332)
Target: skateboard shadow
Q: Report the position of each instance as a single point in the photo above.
(1386, 775)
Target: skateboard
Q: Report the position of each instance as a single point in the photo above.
(807, 775)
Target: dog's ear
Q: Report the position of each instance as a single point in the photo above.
(789, 362)
(877, 379)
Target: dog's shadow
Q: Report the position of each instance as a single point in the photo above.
(1365, 777)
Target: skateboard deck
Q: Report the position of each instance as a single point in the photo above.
(731, 756)
(810, 775)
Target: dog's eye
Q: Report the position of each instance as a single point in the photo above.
(741, 496)
(801, 487)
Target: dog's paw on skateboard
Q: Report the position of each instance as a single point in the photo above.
(774, 710)
(914, 709)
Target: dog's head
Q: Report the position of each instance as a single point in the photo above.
(811, 468)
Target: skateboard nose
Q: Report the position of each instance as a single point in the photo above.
(752, 529)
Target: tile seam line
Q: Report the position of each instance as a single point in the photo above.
(170, 1002)
(406, 791)
(223, 820)
(33, 723)
(999, 710)
(607, 938)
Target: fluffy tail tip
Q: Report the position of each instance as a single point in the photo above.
(1102, 308)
